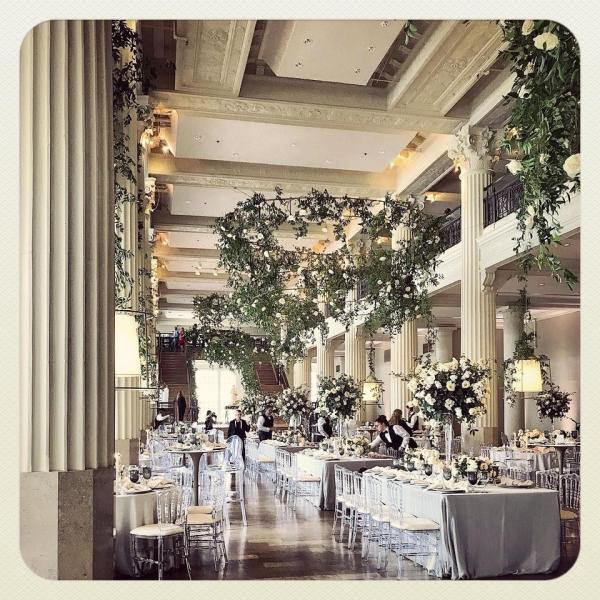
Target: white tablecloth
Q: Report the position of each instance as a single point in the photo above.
(268, 449)
(502, 531)
(542, 461)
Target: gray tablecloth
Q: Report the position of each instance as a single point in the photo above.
(270, 450)
(501, 532)
(131, 511)
(325, 470)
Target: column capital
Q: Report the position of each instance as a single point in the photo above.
(471, 149)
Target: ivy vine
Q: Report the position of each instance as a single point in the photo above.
(542, 135)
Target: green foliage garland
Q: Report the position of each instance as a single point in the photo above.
(543, 134)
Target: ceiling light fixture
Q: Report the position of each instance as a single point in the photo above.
(298, 65)
(384, 24)
(308, 41)
(370, 48)
(235, 155)
(357, 71)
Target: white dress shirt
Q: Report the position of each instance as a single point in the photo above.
(384, 437)
(320, 429)
(413, 421)
(260, 425)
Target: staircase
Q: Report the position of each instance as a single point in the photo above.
(173, 372)
(268, 379)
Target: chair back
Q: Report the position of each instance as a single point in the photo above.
(547, 480)
(347, 485)
(570, 486)
(374, 496)
(339, 481)
(360, 492)
(172, 504)
(182, 477)
(233, 460)
(395, 490)
(504, 439)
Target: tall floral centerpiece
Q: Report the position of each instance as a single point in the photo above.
(254, 403)
(339, 397)
(292, 405)
(442, 392)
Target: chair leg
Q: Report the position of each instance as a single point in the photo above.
(160, 558)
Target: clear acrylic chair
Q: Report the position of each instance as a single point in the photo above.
(282, 472)
(569, 511)
(302, 485)
(339, 497)
(361, 512)
(349, 505)
(411, 536)
(171, 510)
(547, 479)
(204, 525)
(377, 525)
(233, 465)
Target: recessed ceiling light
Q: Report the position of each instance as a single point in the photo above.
(327, 161)
(298, 65)
(235, 155)
(293, 144)
(308, 41)
(370, 48)
(384, 24)
(382, 152)
(357, 71)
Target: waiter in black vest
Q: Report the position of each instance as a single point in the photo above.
(239, 427)
(264, 425)
(396, 437)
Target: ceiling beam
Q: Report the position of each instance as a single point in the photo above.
(304, 114)
(252, 177)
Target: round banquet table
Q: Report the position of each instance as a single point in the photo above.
(195, 456)
(131, 511)
(560, 449)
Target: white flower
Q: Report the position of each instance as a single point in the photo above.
(282, 300)
(466, 383)
(382, 258)
(572, 166)
(453, 377)
(522, 92)
(266, 254)
(471, 465)
(458, 412)
(438, 385)
(450, 386)
(527, 27)
(545, 41)
(472, 411)
(412, 385)
(544, 158)
(430, 399)
(449, 404)
(514, 166)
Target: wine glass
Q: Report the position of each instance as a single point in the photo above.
(447, 472)
(472, 478)
(428, 470)
(134, 473)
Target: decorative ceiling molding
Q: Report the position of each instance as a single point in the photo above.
(463, 52)
(264, 178)
(212, 57)
(313, 115)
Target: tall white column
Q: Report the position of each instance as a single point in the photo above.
(67, 300)
(325, 356)
(403, 346)
(477, 333)
(355, 360)
(512, 318)
(443, 344)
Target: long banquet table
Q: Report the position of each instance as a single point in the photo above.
(502, 531)
(324, 468)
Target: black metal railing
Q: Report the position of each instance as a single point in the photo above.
(499, 202)
(450, 230)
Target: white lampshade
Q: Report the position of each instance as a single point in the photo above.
(528, 376)
(371, 389)
(127, 354)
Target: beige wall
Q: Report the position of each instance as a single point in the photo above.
(558, 338)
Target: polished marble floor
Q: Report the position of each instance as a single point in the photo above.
(280, 543)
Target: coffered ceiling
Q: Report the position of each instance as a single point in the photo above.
(349, 106)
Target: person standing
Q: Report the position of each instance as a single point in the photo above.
(181, 339)
(239, 427)
(181, 405)
(412, 419)
(209, 421)
(324, 426)
(264, 425)
(174, 338)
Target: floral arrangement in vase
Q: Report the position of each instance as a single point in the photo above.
(553, 403)
(292, 404)
(357, 446)
(522, 438)
(338, 396)
(253, 404)
(457, 389)
(464, 464)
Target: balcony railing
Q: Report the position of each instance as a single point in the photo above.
(499, 203)
(450, 230)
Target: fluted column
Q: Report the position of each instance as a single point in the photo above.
(512, 328)
(403, 345)
(477, 333)
(67, 306)
(325, 356)
(355, 360)
(443, 344)
(302, 373)
(490, 419)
